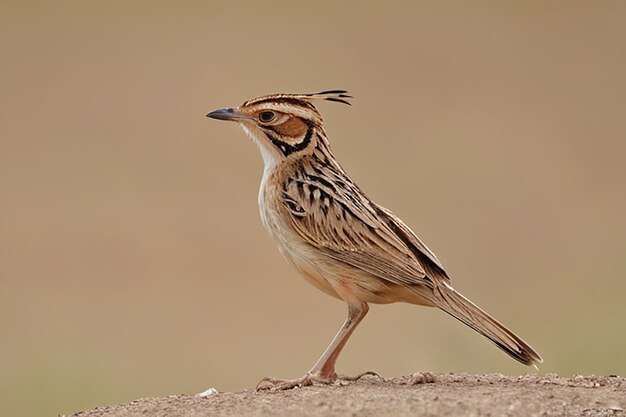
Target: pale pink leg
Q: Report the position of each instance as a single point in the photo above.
(325, 366)
(324, 369)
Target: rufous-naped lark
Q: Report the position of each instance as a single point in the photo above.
(336, 237)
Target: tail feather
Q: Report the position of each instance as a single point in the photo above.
(459, 307)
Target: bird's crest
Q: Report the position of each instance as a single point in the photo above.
(339, 96)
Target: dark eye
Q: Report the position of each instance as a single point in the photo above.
(266, 116)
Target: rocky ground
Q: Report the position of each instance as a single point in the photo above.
(419, 394)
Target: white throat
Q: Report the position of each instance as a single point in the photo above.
(271, 159)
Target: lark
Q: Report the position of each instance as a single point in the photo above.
(336, 237)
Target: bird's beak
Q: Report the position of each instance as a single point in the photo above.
(227, 114)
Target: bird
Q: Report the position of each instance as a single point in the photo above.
(339, 239)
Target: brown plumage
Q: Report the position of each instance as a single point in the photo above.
(338, 238)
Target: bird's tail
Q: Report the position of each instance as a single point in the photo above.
(459, 307)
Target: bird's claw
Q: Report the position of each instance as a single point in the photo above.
(345, 378)
(275, 384)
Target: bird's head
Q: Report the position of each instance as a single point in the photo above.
(285, 126)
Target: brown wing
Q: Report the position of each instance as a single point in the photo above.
(424, 255)
(348, 227)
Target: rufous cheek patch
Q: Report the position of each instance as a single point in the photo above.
(293, 129)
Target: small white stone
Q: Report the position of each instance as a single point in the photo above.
(207, 393)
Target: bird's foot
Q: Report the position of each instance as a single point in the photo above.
(347, 379)
(275, 384)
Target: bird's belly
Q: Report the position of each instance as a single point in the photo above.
(310, 271)
(339, 280)
(335, 278)
(301, 257)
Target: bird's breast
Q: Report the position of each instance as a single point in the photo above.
(302, 257)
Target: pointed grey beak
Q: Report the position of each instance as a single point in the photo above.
(226, 114)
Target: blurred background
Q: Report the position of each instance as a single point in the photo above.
(132, 259)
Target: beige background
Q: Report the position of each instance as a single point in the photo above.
(132, 259)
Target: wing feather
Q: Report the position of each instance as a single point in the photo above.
(346, 226)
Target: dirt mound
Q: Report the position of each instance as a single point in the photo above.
(418, 394)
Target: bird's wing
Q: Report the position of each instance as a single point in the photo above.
(345, 225)
(424, 255)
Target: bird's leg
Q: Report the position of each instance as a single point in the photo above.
(325, 366)
(323, 371)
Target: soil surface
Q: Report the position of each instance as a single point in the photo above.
(418, 394)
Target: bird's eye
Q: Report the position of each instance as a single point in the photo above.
(267, 116)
